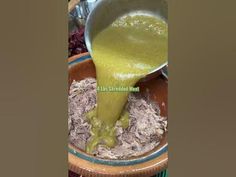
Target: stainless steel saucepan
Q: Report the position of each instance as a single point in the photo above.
(107, 11)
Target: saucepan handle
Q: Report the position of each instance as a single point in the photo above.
(164, 71)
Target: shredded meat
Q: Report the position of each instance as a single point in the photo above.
(146, 126)
(82, 98)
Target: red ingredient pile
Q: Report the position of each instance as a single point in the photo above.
(77, 42)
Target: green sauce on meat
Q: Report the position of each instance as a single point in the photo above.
(123, 53)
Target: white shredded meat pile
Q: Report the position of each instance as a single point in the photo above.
(146, 126)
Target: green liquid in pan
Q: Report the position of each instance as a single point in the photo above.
(123, 53)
